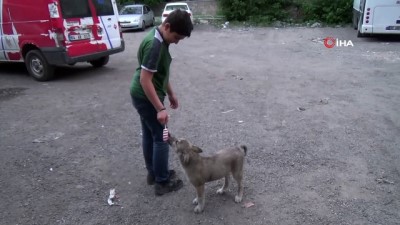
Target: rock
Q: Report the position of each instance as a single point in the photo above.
(278, 24)
(203, 22)
(315, 25)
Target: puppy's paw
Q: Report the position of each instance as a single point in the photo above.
(195, 201)
(198, 209)
(220, 191)
(238, 198)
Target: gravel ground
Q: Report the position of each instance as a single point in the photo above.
(321, 126)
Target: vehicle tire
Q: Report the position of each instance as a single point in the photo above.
(38, 67)
(355, 21)
(359, 34)
(100, 62)
(143, 26)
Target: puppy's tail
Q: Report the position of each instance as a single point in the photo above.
(244, 149)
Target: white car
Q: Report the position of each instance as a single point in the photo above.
(169, 7)
(133, 17)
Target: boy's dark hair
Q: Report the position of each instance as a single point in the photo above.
(180, 22)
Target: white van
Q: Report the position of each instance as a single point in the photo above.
(376, 17)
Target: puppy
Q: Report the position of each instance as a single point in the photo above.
(200, 169)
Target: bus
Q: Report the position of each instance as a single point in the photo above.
(376, 17)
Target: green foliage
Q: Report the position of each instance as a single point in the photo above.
(254, 10)
(267, 11)
(331, 12)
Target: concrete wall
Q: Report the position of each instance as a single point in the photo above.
(198, 7)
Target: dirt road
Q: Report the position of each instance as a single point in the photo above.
(322, 128)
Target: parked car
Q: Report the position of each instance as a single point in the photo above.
(132, 17)
(169, 7)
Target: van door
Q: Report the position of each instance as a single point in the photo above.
(2, 51)
(386, 19)
(92, 27)
(9, 38)
(107, 13)
(78, 28)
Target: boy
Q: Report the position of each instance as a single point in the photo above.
(150, 85)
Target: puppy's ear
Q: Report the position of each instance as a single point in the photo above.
(196, 149)
(184, 156)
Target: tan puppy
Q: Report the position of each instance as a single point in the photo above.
(200, 169)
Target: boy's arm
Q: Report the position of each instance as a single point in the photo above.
(148, 88)
(171, 96)
(170, 92)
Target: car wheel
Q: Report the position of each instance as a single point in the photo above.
(38, 67)
(143, 26)
(100, 62)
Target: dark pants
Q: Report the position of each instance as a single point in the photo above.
(155, 150)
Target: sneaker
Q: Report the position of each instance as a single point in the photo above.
(151, 179)
(172, 185)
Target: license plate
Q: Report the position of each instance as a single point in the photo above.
(75, 37)
(393, 28)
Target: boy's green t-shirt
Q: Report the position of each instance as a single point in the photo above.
(153, 55)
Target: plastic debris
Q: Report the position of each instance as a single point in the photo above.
(111, 198)
(324, 101)
(231, 110)
(48, 137)
(248, 204)
(384, 181)
(318, 40)
(301, 109)
(237, 77)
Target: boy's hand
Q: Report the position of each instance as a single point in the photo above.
(173, 101)
(162, 117)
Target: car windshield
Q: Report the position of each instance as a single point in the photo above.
(173, 7)
(131, 10)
